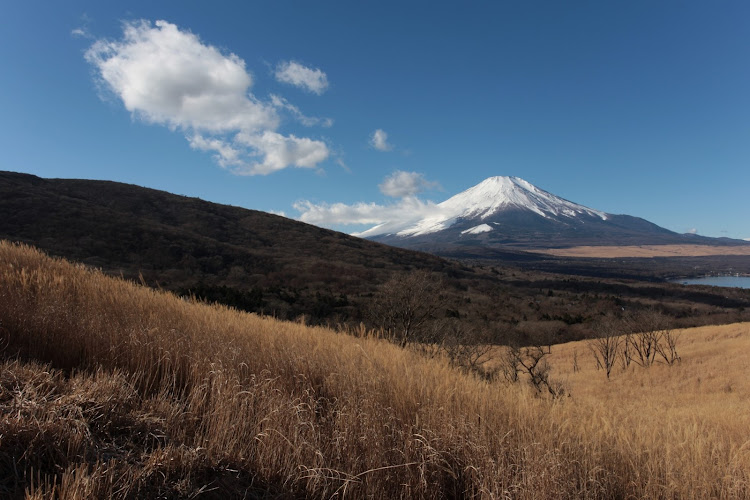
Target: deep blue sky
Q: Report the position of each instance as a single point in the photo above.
(636, 107)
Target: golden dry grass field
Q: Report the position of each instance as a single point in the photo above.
(112, 390)
(616, 252)
(694, 414)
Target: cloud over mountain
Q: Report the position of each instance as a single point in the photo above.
(401, 184)
(342, 214)
(167, 76)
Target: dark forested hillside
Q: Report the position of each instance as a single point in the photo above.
(265, 263)
(178, 240)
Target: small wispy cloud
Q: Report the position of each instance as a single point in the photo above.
(201, 91)
(692, 231)
(338, 157)
(83, 31)
(310, 79)
(80, 33)
(308, 121)
(379, 140)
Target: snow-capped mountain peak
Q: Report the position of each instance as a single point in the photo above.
(489, 197)
(496, 193)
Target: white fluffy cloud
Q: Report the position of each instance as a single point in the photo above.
(328, 215)
(379, 140)
(389, 216)
(168, 76)
(226, 155)
(401, 184)
(294, 73)
(278, 151)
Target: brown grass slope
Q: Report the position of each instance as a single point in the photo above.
(112, 390)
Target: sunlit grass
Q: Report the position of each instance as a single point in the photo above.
(110, 389)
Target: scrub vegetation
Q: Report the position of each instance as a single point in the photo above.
(109, 389)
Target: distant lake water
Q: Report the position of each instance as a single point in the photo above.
(730, 281)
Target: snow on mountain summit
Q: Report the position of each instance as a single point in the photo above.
(496, 193)
(489, 197)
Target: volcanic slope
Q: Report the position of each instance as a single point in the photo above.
(509, 212)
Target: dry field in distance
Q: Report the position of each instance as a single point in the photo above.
(615, 252)
(113, 390)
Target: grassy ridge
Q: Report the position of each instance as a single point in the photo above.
(109, 389)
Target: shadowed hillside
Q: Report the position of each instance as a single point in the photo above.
(122, 227)
(187, 244)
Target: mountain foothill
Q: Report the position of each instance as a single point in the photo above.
(268, 264)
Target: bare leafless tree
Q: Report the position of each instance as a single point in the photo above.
(650, 336)
(535, 366)
(639, 337)
(404, 305)
(665, 337)
(642, 347)
(509, 365)
(606, 346)
(667, 348)
(465, 346)
(530, 362)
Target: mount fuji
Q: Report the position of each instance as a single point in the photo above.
(509, 212)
